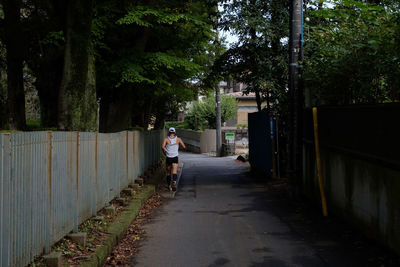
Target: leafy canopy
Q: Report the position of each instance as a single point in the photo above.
(259, 58)
(352, 53)
(153, 50)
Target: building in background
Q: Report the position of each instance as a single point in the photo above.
(246, 103)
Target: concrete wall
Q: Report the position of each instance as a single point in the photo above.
(208, 141)
(363, 192)
(361, 167)
(198, 142)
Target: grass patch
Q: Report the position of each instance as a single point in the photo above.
(10, 131)
(31, 126)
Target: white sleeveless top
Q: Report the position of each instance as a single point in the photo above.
(172, 149)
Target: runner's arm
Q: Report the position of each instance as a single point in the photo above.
(181, 143)
(163, 145)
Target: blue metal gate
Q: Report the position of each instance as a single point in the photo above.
(260, 147)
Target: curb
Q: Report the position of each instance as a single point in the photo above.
(118, 228)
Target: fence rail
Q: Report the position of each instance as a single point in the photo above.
(50, 182)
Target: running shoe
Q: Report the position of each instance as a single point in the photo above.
(173, 186)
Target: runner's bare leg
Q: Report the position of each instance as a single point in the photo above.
(174, 168)
(169, 175)
(169, 169)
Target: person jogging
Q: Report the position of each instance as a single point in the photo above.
(170, 146)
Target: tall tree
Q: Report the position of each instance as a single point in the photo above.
(14, 45)
(259, 57)
(3, 88)
(44, 30)
(352, 53)
(77, 96)
(139, 77)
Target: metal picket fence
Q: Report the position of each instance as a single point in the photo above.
(50, 182)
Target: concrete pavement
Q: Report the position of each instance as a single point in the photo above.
(222, 217)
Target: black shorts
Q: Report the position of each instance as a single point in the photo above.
(169, 161)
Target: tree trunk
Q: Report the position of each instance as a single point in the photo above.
(77, 110)
(47, 60)
(148, 113)
(3, 102)
(160, 114)
(295, 97)
(115, 110)
(14, 46)
(119, 111)
(258, 100)
(253, 36)
(49, 75)
(138, 116)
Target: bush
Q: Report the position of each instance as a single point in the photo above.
(177, 124)
(204, 112)
(33, 125)
(242, 125)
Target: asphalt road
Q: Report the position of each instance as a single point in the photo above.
(222, 217)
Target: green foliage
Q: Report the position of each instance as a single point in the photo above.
(147, 16)
(155, 63)
(259, 59)
(352, 53)
(150, 53)
(203, 112)
(35, 125)
(242, 125)
(9, 131)
(53, 38)
(177, 124)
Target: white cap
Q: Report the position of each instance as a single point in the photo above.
(171, 130)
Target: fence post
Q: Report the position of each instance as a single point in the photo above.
(133, 155)
(118, 164)
(108, 177)
(76, 185)
(49, 161)
(319, 165)
(2, 206)
(5, 242)
(96, 141)
(142, 152)
(127, 157)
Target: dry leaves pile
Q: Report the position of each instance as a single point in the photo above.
(122, 254)
(74, 254)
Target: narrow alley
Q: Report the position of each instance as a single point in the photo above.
(221, 216)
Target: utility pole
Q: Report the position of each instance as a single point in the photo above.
(218, 120)
(295, 98)
(218, 98)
